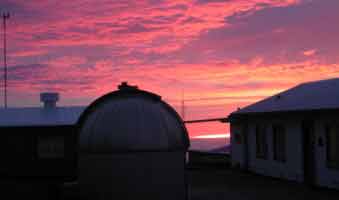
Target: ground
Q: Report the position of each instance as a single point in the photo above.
(220, 184)
(205, 183)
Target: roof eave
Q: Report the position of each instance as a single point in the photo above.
(238, 116)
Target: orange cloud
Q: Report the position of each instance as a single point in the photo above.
(222, 54)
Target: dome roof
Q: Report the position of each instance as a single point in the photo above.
(131, 120)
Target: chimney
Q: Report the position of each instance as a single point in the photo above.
(49, 99)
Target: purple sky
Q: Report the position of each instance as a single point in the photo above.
(220, 54)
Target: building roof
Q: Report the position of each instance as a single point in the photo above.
(39, 116)
(128, 120)
(317, 95)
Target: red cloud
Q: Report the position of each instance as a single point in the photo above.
(83, 49)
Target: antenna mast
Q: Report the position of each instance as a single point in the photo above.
(5, 16)
(183, 104)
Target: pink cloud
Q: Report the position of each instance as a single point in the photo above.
(309, 52)
(223, 54)
(78, 25)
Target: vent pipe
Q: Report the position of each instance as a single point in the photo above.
(49, 99)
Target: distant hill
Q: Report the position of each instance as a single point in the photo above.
(207, 145)
(223, 149)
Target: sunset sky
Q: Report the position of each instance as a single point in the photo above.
(219, 55)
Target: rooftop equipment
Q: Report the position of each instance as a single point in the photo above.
(49, 99)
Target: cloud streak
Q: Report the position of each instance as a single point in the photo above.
(225, 53)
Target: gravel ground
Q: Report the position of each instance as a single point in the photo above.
(219, 184)
(205, 183)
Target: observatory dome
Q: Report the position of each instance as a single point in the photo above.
(130, 119)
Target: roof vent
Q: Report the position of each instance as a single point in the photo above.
(49, 99)
(124, 86)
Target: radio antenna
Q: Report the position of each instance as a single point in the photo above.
(5, 17)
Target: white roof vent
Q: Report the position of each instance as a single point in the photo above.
(49, 99)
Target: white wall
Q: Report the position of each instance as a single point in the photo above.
(237, 150)
(292, 169)
(324, 175)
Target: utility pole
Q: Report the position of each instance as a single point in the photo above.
(5, 16)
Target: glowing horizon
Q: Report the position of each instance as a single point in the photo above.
(212, 136)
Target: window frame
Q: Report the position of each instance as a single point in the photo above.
(277, 155)
(261, 150)
(237, 133)
(332, 164)
(50, 147)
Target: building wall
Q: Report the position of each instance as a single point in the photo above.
(38, 153)
(291, 169)
(238, 158)
(325, 176)
(133, 175)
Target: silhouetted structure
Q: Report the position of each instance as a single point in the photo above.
(39, 143)
(37, 149)
(5, 16)
(292, 135)
(132, 146)
(206, 120)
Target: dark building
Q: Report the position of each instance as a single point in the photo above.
(39, 143)
(128, 144)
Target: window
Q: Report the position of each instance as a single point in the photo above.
(261, 141)
(50, 147)
(237, 137)
(332, 142)
(279, 143)
(237, 132)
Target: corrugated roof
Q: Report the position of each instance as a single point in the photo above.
(315, 95)
(38, 116)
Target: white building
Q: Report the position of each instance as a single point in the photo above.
(293, 135)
